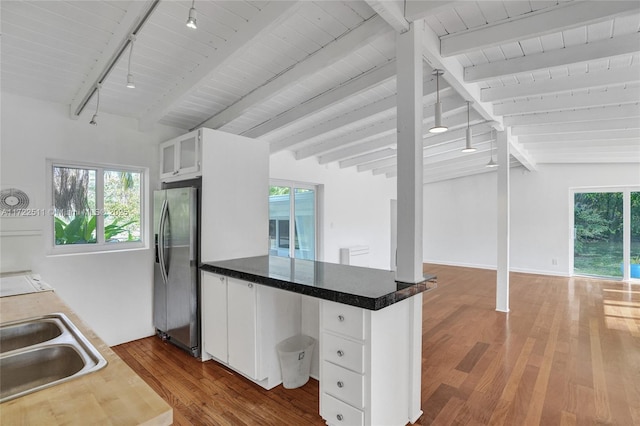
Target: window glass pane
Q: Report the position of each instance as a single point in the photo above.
(635, 235)
(305, 225)
(122, 206)
(598, 245)
(279, 216)
(74, 194)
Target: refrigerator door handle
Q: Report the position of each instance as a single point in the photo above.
(161, 242)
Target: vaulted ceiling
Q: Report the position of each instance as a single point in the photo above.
(318, 78)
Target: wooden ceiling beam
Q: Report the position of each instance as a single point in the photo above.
(578, 115)
(591, 80)
(269, 17)
(454, 75)
(623, 45)
(546, 21)
(577, 127)
(558, 103)
(351, 117)
(369, 157)
(609, 135)
(343, 46)
(353, 87)
(452, 111)
(392, 12)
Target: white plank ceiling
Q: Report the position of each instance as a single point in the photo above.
(318, 77)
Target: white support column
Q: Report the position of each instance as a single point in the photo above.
(409, 134)
(409, 191)
(502, 282)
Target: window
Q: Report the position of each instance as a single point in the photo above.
(297, 201)
(96, 207)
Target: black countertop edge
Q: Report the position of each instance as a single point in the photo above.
(403, 291)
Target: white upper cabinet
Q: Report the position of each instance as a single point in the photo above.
(180, 157)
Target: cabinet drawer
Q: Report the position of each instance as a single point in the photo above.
(343, 319)
(336, 412)
(343, 352)
(343, 384)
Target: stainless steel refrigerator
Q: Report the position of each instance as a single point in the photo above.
(175, 292)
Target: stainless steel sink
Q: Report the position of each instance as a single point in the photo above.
(28, 333)
(40, 352)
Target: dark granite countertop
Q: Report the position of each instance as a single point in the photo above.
(352, 285)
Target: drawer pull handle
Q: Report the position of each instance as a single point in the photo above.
(340, 318)
(340, 352)
(340, 384)
(339, 417)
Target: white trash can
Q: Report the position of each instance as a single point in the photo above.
(295, 360)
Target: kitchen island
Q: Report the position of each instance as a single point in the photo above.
(370, 334)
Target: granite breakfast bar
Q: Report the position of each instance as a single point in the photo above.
(370, 336)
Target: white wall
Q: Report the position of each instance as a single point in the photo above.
(356, 206)
(460, 215)
(112, 292)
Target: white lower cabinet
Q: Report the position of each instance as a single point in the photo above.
(368, 360)
(242, 323)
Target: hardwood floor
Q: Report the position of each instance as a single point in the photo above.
(568, 353)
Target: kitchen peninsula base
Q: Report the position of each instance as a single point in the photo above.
(370, 335)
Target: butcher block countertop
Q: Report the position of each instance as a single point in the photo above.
(114, 395)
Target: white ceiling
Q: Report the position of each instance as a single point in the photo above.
(318, 77)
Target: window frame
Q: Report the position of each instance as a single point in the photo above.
(100, 245)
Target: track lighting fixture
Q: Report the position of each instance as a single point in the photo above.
(130, 83)
(191, 21)
(94, 119)
(492, 163)
(468, 147)
(437, 126)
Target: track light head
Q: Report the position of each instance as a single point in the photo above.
(94, 119)
(191, 21)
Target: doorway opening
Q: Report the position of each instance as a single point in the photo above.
(295, 238)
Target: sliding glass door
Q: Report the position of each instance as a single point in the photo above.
(606, 239)
(634, 225)
(297, 237)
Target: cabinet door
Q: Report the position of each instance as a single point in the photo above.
(214, 315)
(167, 159)
(241, 298)
(188, 153)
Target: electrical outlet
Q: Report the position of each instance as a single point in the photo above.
(554, 261)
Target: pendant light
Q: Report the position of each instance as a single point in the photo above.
(492, 163)
(468, 147)
(94, 119)
(437, 126)
(130, 82)
(191, 21)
